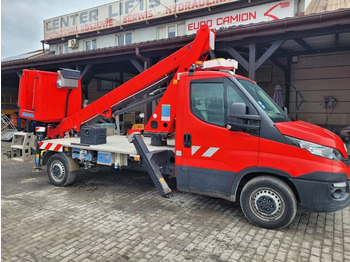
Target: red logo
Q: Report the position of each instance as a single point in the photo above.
(281, 5)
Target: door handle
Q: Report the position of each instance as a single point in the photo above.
(187, 140)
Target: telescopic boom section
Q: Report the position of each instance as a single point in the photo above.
(164, 115)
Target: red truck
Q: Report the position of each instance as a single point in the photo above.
(218, 133)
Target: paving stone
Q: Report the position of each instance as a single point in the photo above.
(119, 216)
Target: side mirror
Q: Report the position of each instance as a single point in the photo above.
(240, 120)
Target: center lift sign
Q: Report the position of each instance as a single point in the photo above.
(255, 14)
(120, 13)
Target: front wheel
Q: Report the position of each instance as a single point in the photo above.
(268, 202)
(58, 171)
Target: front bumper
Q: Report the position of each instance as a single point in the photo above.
(323, 196)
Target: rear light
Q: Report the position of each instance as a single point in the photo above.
(40, 129)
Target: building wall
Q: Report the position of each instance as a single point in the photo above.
(248, 15)
(320, 75)
(138, 35)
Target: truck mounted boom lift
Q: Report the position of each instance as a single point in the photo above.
(230, 139)
(180, 61)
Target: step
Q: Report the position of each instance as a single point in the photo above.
(18, 147)
(20, 159)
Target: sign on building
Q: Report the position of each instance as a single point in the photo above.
(255, 14)
(120, 13)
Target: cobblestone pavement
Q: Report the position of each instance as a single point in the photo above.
(119, 216)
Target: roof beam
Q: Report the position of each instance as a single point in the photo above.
(320, 51)
(336, 40)
(302, 43)
(269, 52)
(251, 66)
(236, 55)
(137, 65)
(86, 72)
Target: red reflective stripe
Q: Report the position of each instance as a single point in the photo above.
(57, 148)
(47, 147)
(41, 143)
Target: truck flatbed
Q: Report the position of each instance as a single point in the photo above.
(118, 144)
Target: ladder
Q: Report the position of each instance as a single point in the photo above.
(7, 128)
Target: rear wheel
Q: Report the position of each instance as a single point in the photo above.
(268, 202)
(58, 171)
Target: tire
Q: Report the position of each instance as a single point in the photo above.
(268, 202)
(58, 171)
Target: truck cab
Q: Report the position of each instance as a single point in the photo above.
(234, 142)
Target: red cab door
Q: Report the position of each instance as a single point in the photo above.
(208, 155)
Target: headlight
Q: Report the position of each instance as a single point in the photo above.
(316, 149)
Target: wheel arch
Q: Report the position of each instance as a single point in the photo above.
(73, 165)
(246, 175)
(46, 156)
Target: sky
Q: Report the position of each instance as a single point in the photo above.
(22, 21)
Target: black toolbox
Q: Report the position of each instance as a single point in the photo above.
(93, 135)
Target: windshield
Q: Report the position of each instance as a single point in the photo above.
(265, 101)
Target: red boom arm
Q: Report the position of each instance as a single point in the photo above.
(181, 61)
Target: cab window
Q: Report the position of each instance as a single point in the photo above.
(211, 101)
(207, 102)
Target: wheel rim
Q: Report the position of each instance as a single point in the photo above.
(57, 171)
(267, 203)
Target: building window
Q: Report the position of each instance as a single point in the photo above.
(90, 45)
(62, 49)
(170, 31)
(124, 39)
(104, 85)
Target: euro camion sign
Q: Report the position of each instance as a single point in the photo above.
(120, 13)
(255, 14)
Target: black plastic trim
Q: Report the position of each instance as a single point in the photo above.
(323, 176)
(204, 181)
(250, 170)
(316, 196)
